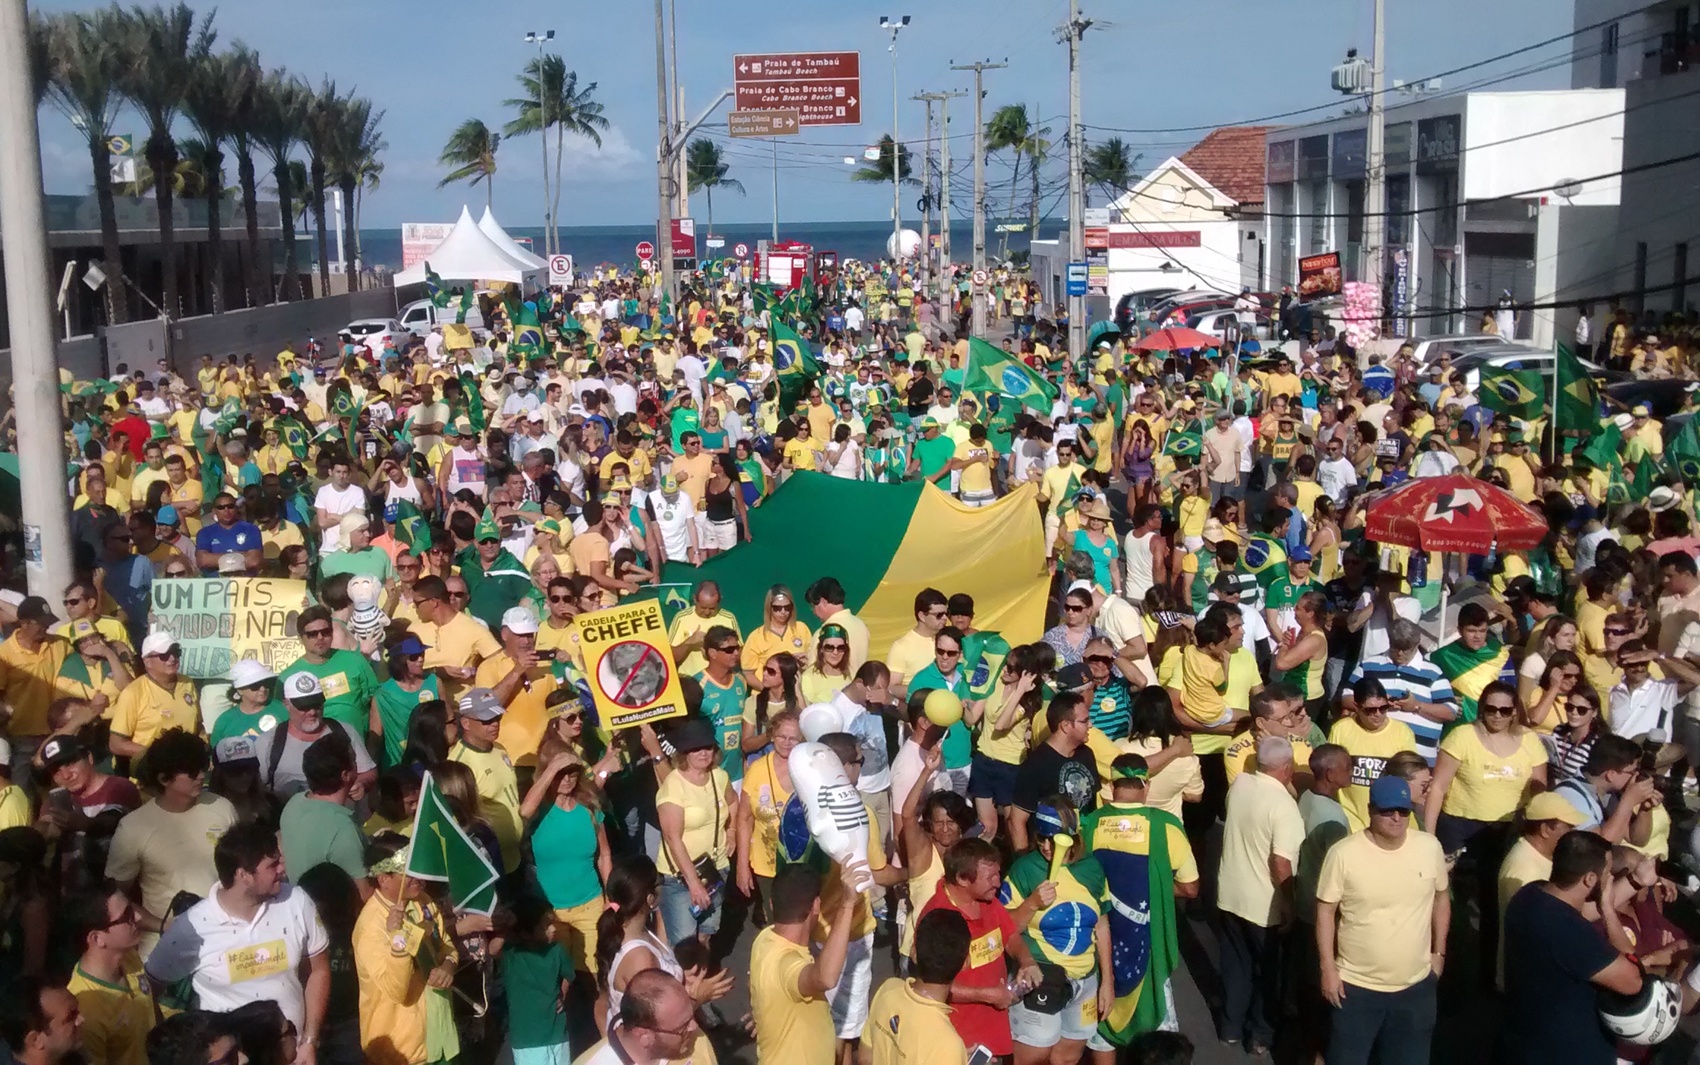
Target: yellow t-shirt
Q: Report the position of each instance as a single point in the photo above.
(1523, 865)
(909, 654)
(147, 834)
(1263, 820)
(273, 541)
(905, 1028)
(1194, 512)
(461, 642)
(689, 623)
(498, 796)
(1053, 486)
(14, 807)
(977, 476)
(832, 890)
(1386, 901)
(637, 464)
(1488, 787)
(790, 1026)
(1204, 682)
(30, 681)
(800, 454)
(1370, 752)
(116, 1017)
(527, 716)
(1241, 756)
(561, 640)
(144, 709)
(763, 643)
(817, 687)
(705, 811)
(1011, 746)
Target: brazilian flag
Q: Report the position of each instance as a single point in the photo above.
(1518, 393)
(795, 365)
(982, 659)
(1189, 445)
(1617, 489)
(992, 370)
(1643, 476)
(1578, 396)
(1683, 452)
(1603, 446)
(474, 402)
(466, 300)
(294, 437)
(1266, 558)
(434, 289)
(1134, 846)
(763, 296)
(412, 529)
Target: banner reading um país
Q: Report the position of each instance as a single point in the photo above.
(218, 620)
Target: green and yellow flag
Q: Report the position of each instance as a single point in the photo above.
(990, 369)
(1190, 445)
(466, 301)
(1518, 393)
(1578, 396)
(795, 365)
(412, 529)
(434, 289)
(442, 852)
(1683, 452)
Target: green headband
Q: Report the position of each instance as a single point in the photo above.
(395, 863)
(827, 632)
(1131, 772)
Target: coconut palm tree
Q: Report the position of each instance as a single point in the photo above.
(325, 117)
(552, 98)
(1010, 129)
(160, 49)
(280, 124)
(81, 64)
(880, 171)
(220, 97)
(706, 170)
(1109, 165)
(369, 175)
(471, 150)
(354, 148)
(245, 64)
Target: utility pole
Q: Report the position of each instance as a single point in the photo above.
(894, 25)
(979, 70)
(35, 362)
(1076, 29)
(664, 178)
(541, 38)
(1375, 166)
(938, 271)
(927, 199)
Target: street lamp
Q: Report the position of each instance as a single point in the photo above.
(541, 38)
(893, 26)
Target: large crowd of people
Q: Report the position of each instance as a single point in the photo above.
(1376, 777)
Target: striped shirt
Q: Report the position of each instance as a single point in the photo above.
(1418, 678)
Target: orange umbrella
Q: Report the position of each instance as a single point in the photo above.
(1176, 339)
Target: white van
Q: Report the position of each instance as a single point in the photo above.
(421, 315)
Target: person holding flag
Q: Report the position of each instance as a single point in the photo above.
(405, 960)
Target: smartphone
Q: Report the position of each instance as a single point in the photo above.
(980, 1056)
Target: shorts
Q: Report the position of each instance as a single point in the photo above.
(848, 999)
(1078, 1020)
(682, 924)
(991, 779)
(575, 929)
(880, 803)
(1220, 490)
(716, 535)
(979, 499)
(560, 1054)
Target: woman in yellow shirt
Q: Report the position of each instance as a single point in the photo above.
(780, 631)
(830, 672)
(1545, 710)
(1005, 731)
(767, 788)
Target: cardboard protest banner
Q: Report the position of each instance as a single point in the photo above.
(629, 663)
(218, 620)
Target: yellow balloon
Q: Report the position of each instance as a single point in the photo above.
(943, 707)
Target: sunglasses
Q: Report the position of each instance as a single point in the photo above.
(260, 686)
(1100, 660)
(169, 652)
(572, 719)
(948, 652)
(1498, 708)
(314, 634)
(783, 608)
(460, 595)
(560, 599)
(1618, 632)
(726, 649)
(1367, 708)
(1073, 608)
(129, 916)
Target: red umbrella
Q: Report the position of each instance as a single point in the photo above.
(1176, 339)
(1453, 513)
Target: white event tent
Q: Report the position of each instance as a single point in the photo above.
(493, 229)
(468, 253)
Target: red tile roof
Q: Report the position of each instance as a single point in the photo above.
(1232, 159)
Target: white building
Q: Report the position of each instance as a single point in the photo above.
(1653, 54)
(1486, 192)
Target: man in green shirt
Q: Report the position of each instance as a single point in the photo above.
(934, 450)
(345, 676)
(723, 696)
(317, 825)
(1284, 593)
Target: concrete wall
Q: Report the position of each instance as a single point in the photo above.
(1518, 143)
(1574, 261)
(1659, 208)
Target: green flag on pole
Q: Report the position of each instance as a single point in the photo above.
(990, 369)
(465, 305)
(442, 852)
(1190, 445)
(795, 364)
(434, 288)
(1578, 396)
(1518, 393)
(1683, 452)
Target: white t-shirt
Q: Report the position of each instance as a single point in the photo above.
(234, 962)
(337, 504)
(674, 520)
(853, 318)
(625, 397)
(1651, 706)
(1336, 476)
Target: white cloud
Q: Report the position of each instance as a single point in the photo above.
(583, 163)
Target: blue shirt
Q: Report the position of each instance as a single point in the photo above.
(216, 539)
(129, 581)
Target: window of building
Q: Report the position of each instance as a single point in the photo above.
(1608, 56)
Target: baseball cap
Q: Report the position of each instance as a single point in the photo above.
(1300, 553)
(481, 704)
(1225, 584)
(166, 515)
(157, 643)
(536, 415)
(35, 608)
(1072, 677)
(669, 484)
(235, 749)
(249, 672)
(302, 688)
(61, 750)
(232, 562)
(519, 620)
(1642, 411)
(1551, 806)
(1390, 793)
(82, 629)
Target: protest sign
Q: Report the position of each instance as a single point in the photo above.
(218, 620)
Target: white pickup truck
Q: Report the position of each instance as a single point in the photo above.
(421, 316)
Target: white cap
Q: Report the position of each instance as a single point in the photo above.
(302, 685)
(536, 415)
(157, 643)
(354, 519)
(1080, 586)
(519, 620)
(235, 749)
(249, 672)
(232, 562)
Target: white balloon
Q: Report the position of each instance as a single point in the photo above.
(911, 245)
(818, 719)
(838, 820)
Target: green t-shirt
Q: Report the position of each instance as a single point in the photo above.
(348, 681)
(725, 707)
(532, 977)
(233, 722)
(368, 562)
(313, 831)
(958, 745)
(395, 710)
(934, 454)
(563, 844)
(1284, 594)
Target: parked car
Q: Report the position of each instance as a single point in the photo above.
(421, 316)
(374, 333)
(1134, 304)
(1664, 396)
(1216, 323)
(1428, 349)
(1516, 357)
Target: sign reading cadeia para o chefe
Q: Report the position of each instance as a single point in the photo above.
(218, 620)
(629, 663)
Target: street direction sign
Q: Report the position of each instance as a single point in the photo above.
(764, 123)
(824, 88)
(1076, 281)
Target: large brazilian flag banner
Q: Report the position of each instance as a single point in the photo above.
(1133, 845)
(884, 543)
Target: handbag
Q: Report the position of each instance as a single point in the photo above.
(707, 871)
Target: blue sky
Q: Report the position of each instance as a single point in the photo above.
(432, 63)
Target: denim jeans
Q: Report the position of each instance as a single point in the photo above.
(676, 911)
(1401, 1023)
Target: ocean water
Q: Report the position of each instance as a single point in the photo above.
(593, 245)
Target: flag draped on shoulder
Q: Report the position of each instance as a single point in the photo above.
(990, 369)
(442, 852)
(794, 364)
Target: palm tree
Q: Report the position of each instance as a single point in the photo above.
(552, 98)
(325, 117)
(1010, 129)
(82, 69)
(880, 171)
(706, 170)
(1109, 165)
(160, 49)
(354, 149)
(220, 97)
(280, 123)
(369, 175)
(245, 64)
(471, 150)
